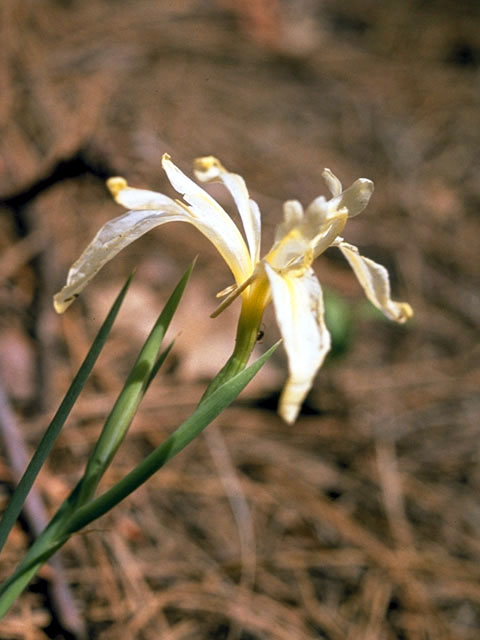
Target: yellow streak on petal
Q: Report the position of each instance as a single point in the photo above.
(115, 185)
(404, 312)
(208, 168)
(60, 305)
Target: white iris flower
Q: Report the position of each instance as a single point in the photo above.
(284, 274)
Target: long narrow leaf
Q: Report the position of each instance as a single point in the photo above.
(68, 520)
(45, 446)
(207, 410)
(159, 362)
(126, 405)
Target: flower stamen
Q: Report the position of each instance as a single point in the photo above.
(233, 295)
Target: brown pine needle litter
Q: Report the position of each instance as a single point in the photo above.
(360, 522)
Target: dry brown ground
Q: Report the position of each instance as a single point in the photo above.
(362, 521)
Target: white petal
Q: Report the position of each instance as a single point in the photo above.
(328, 233)
(208, 169)
(114, 236)
(254, 236)
(213, 221)
(292, 213)
(292, 217)
(141, 199)
(317, 211)
(299, 310)
(298, 244)
(333, 183)
(375, 282)
(355, 198)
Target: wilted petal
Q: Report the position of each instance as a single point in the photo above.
(213, 221)
(209, 169)
(299, 310)
(114, 236)
(375, 282)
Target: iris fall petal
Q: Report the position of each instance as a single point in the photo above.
(376, 283)
(299, 310)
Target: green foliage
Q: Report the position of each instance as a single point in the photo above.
(53, 430)
(82, 507)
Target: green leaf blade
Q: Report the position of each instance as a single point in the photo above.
(208, 409)
(51, 434)
(118, 422)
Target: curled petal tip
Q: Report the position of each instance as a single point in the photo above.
(332, 182)
(61, 304)
(206, 162)
(404, 312)
(115, 185)
(208, 168)
(58, 307)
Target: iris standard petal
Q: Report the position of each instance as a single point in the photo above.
(299, 310)
(292, 218)
(208, 169)
(317, 211)
(328, 232)
(375, 282)
(333, 183)
(213, 221)
(355, 198)
(114, 236)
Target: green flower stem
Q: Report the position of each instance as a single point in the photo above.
(251, 315)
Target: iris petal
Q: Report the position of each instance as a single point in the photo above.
(375, 282)
(213, 221)
(209, 169)
(114, 236)
(299, 310)
(149, 210)
(333, 183)
(140, 199)
(355, 198)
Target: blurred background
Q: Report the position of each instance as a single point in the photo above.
(360, 522)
